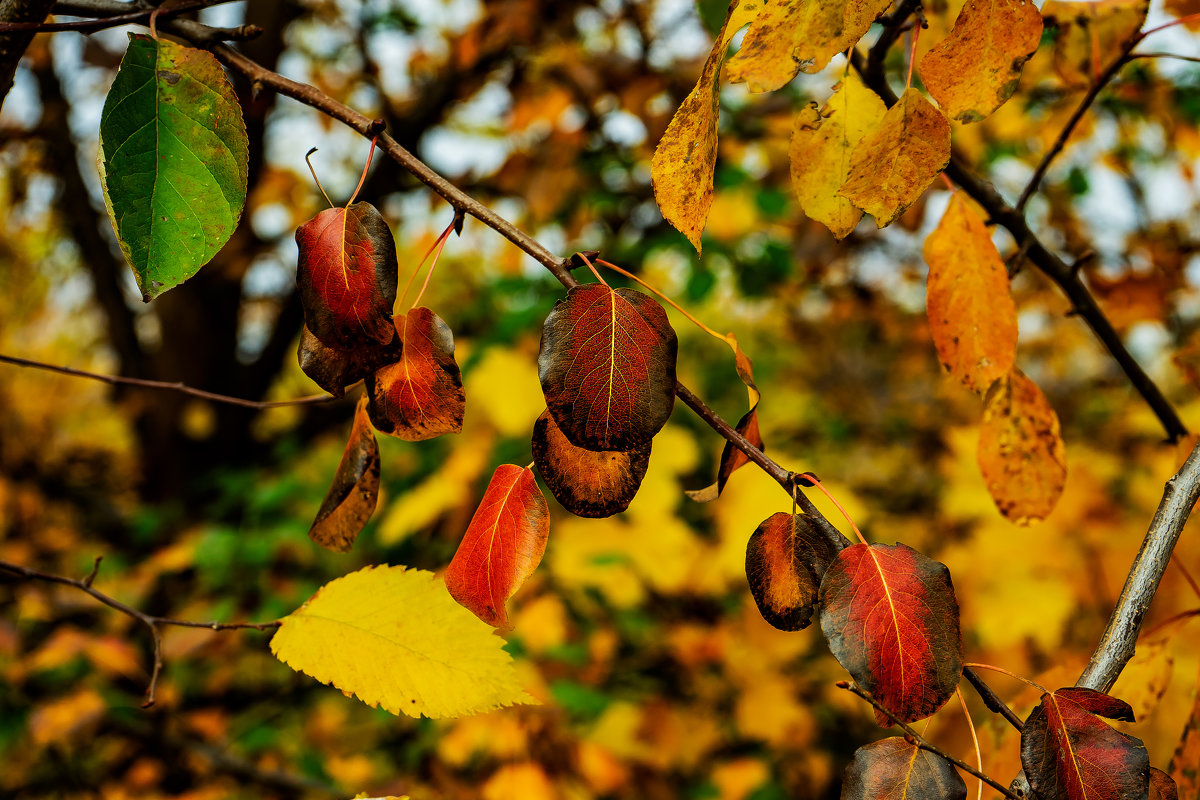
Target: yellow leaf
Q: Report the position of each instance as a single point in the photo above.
(1091, 34)
(892, 167)
(977, 67)
(972, 317)
(820, 152)
(1144, 680)
(1021, 452)
(682, 168)
(395, 638)
(792, 35)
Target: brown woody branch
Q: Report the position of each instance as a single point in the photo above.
(924, 743)
(170, 386)
(153, 622)
(13, 44)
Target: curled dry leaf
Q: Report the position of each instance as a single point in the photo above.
(607, 367)
(587, 483)
(421, 395)
(1069, 753)
(972, 317)
(788, 36)
(173, 160)
(892, 167)
(891, 619)
(502, 546)
(347, 276)
(1021, 452)
(355, 489)
(895, 769)
(334, 369)
(786, 558)
(978, 66)
(683, 163)
(820, 151)
(732, 458)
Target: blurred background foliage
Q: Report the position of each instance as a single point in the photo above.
(658, 678)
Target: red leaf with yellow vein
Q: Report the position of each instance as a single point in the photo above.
(333, 369)
(972, 317)
(894, 769)
(891, 619)
(1021, 452)
(607, 367)
(786, 558)
(421, 395)
(347, 276)
(587, 483)
(1069, 753)
(352, 496)
(502, 546)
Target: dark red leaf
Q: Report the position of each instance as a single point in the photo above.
(894, 769)
(587, 483)
(421, 395)
(502, 546)
(786, 558)
(334, 369)
(891, 619)
(1162, 786)
(1069, 753)
(607, 367)
(347, 276)
(355, 489)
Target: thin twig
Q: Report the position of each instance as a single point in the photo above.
(118, 380)
(991, 699)
(924, 743)
(153, 622)
(107, 21)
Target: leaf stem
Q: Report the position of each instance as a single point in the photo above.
(1181, 21)
(308, 160)
(363, 178)
(1009, 673)
(664, 298)
(436, 242)
(974, 738)
(811, 478)
(592, 267)
(436, 255)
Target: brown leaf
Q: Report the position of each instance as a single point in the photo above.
(892, 167)
(587, 483)
(682, 168)
(355, 489)
(895, 769)
(335, 369)
(1021, 452)
(1162, 785)
(978, 66)
(421, 395)
(972, 317)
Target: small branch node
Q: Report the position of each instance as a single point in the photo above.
(87, 582)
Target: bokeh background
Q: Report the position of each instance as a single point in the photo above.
(658, 678)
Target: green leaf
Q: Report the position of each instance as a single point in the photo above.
(173, 161)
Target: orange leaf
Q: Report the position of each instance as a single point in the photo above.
(978, 66)
(786, 558)
(1162, 786)
(587, 483)
(354, 491)
(502, 546)
(891, 168)
(421, 395)
(972, 317)
(1021, 452)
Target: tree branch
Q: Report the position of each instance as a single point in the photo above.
(169, 386)
(13, 45)
(151, 621)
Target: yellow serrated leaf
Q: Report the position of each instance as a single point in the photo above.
(795, 35)
(1021, 452)
(972, 317)
(977, 67)
(682, 168)
(820, 152)
(892, 167)
(395, 638)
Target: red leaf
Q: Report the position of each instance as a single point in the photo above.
(894, 769)
(607, 367)
(1069, 753)
(421, 395)
(891, 619)
(587, 483)
(502, 546)
(355, 489)
(334, 369)
(786, 558)
(347, 276)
